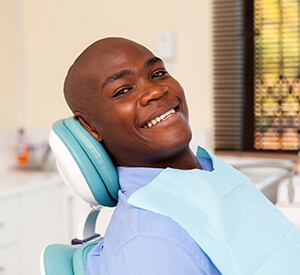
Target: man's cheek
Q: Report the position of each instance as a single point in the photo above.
(127, 109)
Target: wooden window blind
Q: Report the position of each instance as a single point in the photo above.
(277, 87)
(230, 60)
(256, 71)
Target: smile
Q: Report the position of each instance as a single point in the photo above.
(159, 119)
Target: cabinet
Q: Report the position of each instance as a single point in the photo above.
(30, 218)
(35, 215)
(9, 223)
(9, 257)
(42, 221)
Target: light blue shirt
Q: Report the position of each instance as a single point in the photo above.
(142, 242)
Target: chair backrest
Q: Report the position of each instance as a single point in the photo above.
(86, 167)
(83, 163)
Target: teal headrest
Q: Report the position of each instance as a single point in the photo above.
(94, 163)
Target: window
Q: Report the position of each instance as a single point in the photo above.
(256, 75)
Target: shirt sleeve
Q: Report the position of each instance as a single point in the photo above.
(149, 256)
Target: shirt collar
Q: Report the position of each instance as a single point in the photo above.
(133, 178)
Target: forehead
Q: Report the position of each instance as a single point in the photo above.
(105, 61)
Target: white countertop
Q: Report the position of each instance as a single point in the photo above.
(257, 169)
(13, 181)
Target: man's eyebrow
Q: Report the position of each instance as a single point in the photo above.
(116, 76)
(126, 72)
(152, 61)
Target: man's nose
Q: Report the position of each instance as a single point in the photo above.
(153, 92)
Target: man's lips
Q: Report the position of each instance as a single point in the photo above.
(159, 118)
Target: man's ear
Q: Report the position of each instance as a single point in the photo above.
(87, 126)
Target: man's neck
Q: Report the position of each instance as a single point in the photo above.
(184, 160)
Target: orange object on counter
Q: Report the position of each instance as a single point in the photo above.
(22, 148)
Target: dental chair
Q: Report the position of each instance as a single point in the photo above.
(86, 167)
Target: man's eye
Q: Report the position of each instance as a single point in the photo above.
(121, 92)
(159, 73)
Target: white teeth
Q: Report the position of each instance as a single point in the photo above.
(159, 118)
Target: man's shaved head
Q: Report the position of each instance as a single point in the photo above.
(82, 81)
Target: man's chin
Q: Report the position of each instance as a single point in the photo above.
(174, 142)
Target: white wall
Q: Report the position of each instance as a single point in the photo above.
(51, 33)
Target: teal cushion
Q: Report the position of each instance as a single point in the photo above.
(58, 259)
(61, 259)
(92, 159)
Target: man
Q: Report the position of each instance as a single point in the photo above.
(123, 95)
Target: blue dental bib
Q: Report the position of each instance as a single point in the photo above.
(232, 221)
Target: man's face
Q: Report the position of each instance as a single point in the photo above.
(140, 112)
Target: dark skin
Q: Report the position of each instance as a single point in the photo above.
(125, 98)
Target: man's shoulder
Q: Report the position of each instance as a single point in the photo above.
(129, 224)
(142, 239)
(151, 255)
